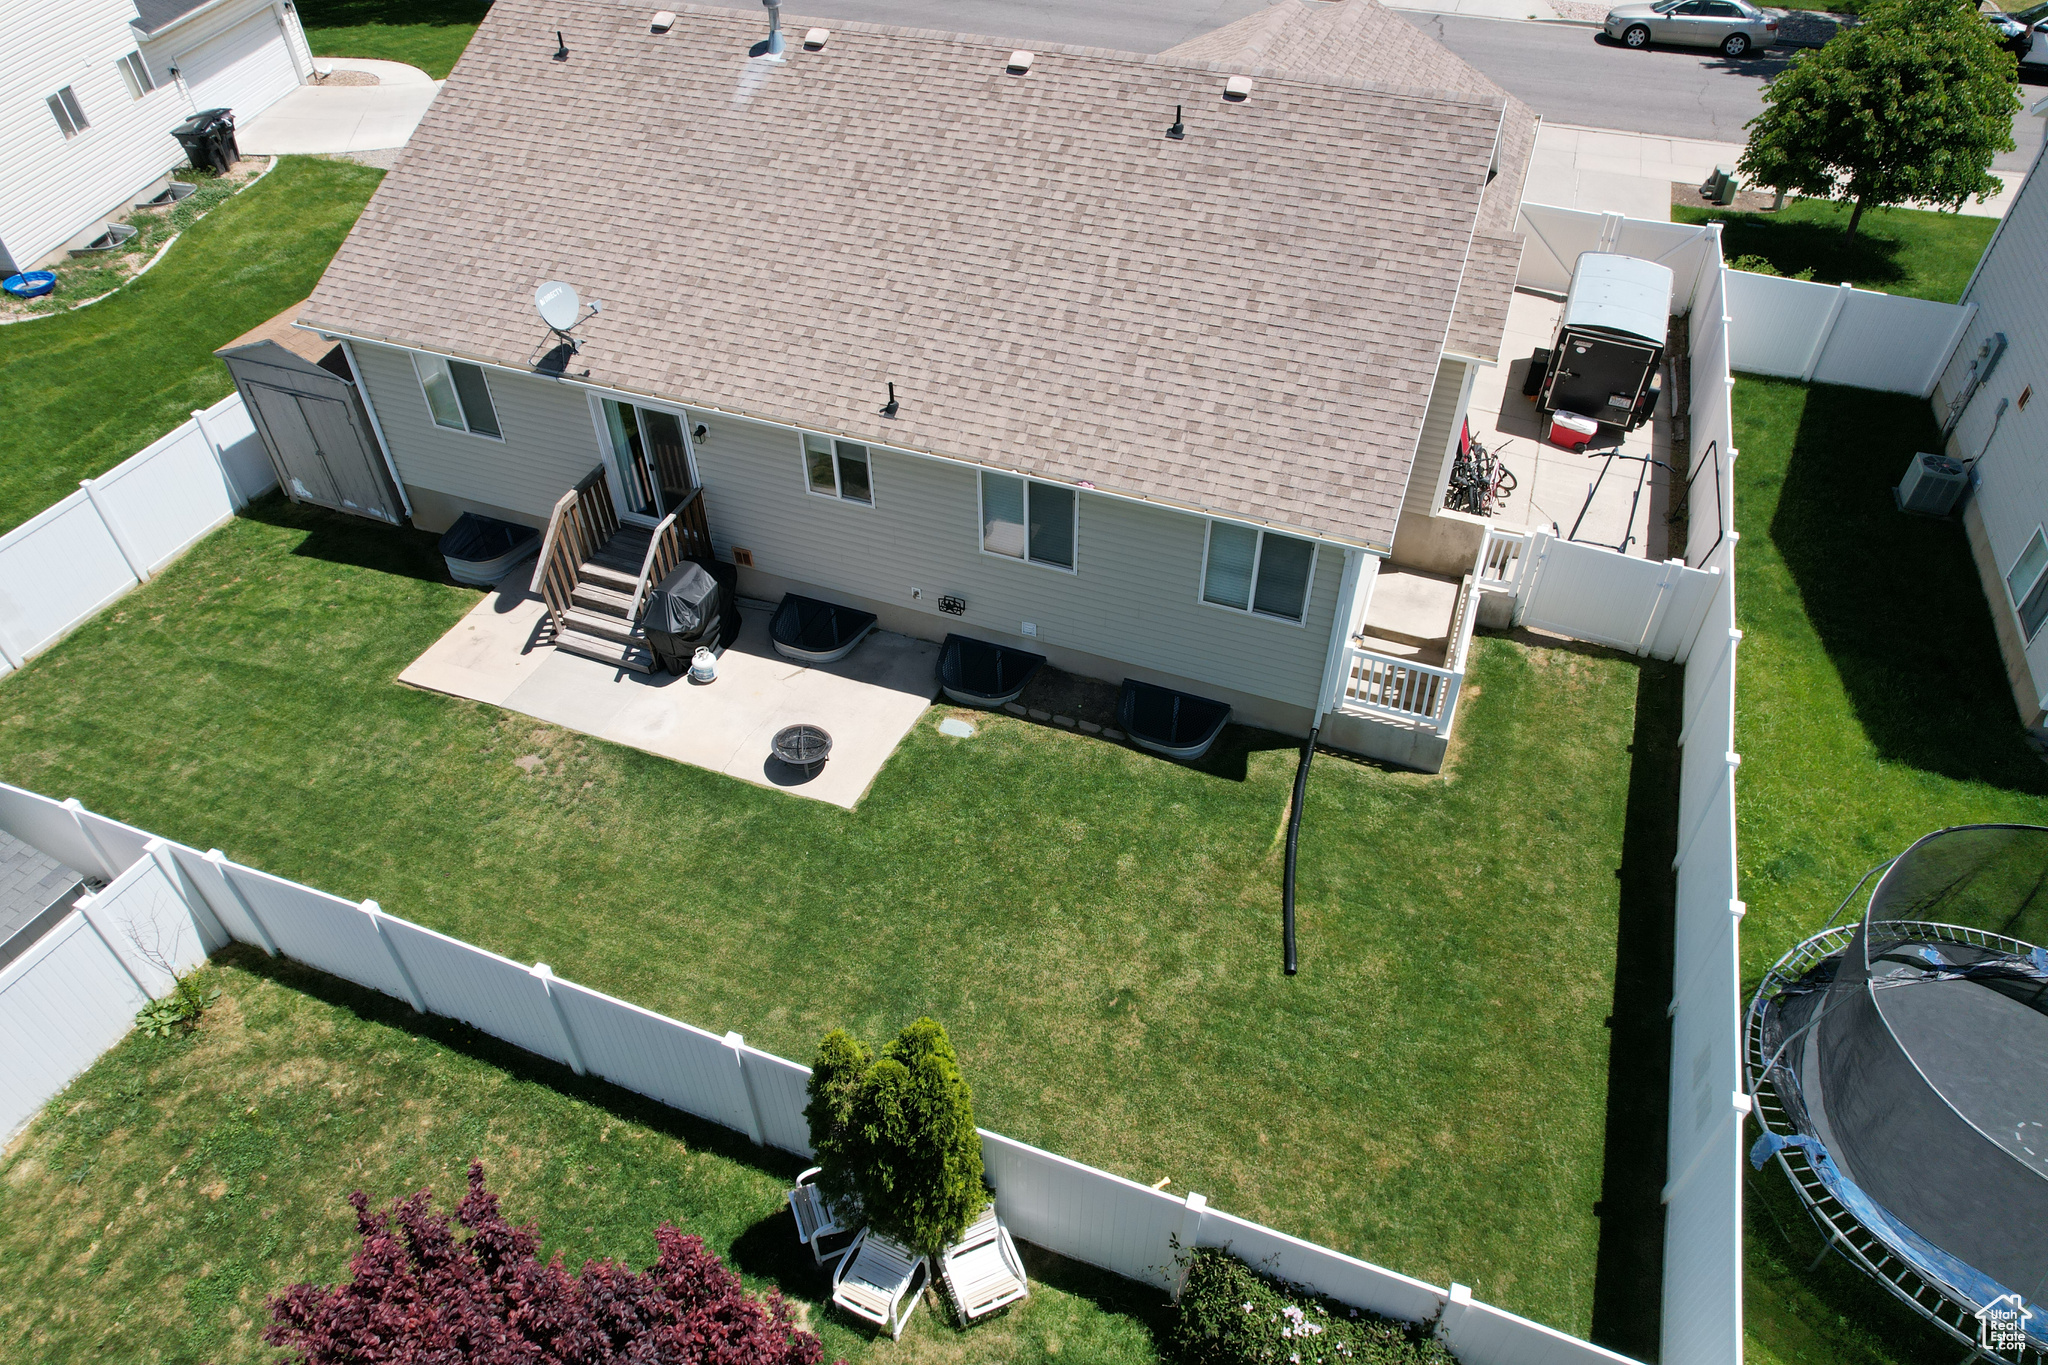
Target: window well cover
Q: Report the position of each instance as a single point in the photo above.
(1620, 294)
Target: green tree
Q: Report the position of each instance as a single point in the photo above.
(897, 1134)
(1911, 105)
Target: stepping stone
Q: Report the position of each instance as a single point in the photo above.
(957, 728)
(1067, 721)
(1015, 709)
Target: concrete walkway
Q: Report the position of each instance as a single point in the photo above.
(327, 119)
(1604, 171)
(867, 702)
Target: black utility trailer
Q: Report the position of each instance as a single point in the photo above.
(1610, 341)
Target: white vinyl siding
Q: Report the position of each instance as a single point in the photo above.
(136, 72)
(2027, 581)
(549, 441)
(247, 68)
(1131, 598)
(1439, 430)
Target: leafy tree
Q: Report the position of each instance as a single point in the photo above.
(896, 1134)
(419, 1295)
(1910, 105)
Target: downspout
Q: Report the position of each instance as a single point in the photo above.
(376, 427)
(1340, 634)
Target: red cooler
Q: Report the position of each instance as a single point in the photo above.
(1572, 431)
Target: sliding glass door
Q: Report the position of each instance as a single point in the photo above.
(650, 458)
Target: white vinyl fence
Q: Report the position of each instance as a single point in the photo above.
(1834, 334)
(63, 565)
(73, 995)
(1686, 611)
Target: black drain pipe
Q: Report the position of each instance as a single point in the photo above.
(1293, 845)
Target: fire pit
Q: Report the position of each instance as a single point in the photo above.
(803, 747)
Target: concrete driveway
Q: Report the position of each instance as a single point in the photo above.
(317, 119)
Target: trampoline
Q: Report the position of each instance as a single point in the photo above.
(1900, 1071)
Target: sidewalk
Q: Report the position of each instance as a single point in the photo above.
(316, 119)
(1604, 171)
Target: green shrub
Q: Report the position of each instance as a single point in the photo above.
(896, 1134)
(1758, 265)
(1230, 1314)
(177, 1013)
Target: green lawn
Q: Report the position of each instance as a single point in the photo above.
(428, 34)
(86, 390)
(155, 1207)
(1871, 709)
(1921, 254)
(1098, 929)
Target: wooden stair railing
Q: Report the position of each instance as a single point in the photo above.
(682, 535)
(583, 520)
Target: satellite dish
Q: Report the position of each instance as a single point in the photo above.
(559, 307)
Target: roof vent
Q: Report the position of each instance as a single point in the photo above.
(663, 21)
(815, 39)
(1237, 88)
(1020, 62)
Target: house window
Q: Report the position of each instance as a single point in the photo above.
(136, 71)
(457, 395)
(1028, 520)
(838, 469)
(1258, 571)
(2028, 584)
(69, 116)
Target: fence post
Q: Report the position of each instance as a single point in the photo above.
(220, 461)
(738, 1045)
(1186, 1239)
(412, 990)
(1733, 761)
(136, 568)
(159, 851)
(92, 841)
(546, 976)
(220, 863)
(1455, 1307)
(1727, 656)
(1827, 331)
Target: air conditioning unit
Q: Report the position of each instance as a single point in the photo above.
(1932, 485)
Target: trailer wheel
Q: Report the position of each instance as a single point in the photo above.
(1636, 35)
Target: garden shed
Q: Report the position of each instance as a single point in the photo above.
(302, 396)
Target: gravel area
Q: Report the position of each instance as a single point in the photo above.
(348, 78)
(1580, 10)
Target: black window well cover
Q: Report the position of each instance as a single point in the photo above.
(479, 539)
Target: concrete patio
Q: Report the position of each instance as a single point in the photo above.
(337, 119)
(1608, 495)
(867, 702)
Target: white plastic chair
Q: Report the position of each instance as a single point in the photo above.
(816, 1220)
(982, 1270)
(877, 1277)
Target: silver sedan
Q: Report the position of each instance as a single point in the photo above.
(1736, 27)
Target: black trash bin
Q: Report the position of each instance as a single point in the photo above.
(208, 138)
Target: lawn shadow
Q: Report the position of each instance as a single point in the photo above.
(356, 541)
(1795, 245)
(1895, 599)
(1628, 1275)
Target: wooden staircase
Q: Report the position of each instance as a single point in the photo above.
(594, 572)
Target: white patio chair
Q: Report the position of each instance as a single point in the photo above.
(816, 1220)
(982, 1270)
(877, 1277)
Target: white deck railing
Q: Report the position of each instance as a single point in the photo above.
(1501, 556)
(1382, 686)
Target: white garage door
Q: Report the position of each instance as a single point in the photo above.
(247, 69)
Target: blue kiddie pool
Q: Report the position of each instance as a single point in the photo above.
(32, 284)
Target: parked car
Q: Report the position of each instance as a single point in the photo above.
(1736, 27)
(2032, 45)
(2013, 34)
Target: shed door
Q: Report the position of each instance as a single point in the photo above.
(247, 69)
(322, 455)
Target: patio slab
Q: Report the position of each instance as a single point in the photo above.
(867, 702)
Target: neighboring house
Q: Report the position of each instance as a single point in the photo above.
(36, 891)
(91, 89)
(1165, 395)
(1994, 417)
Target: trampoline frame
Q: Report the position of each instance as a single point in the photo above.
(1844, 1232)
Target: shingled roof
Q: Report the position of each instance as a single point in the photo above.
(1244, 321)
